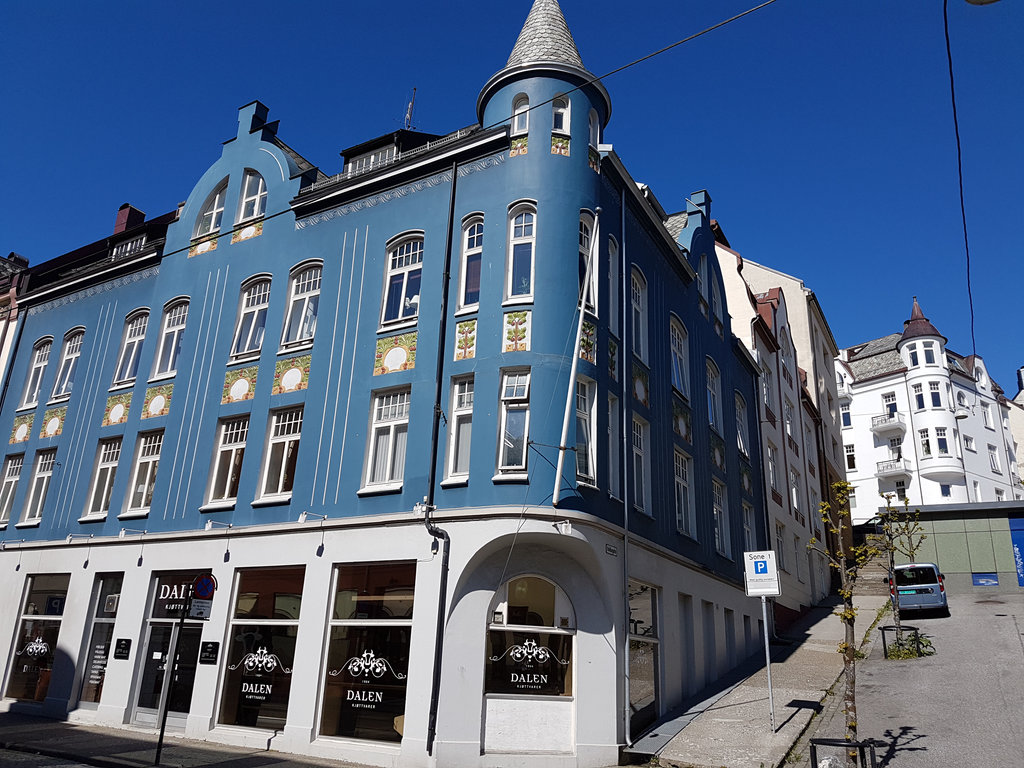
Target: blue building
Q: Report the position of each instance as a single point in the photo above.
(461, 432)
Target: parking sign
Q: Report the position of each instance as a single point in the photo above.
(761, 574)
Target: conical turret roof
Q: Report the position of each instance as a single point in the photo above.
(919, 325)
(545, 37)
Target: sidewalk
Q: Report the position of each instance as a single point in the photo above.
(733, 730)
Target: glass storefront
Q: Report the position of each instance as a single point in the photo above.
(36, 641)
(643, 657)
(368, 651)
(106, 596)
(261, 647)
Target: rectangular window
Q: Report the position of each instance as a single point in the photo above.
(585, 459)
(10, 474)
(252, 320)
(946, 490)
(472, 254)
(852, 497)
(844, 414)
(389, 433)
(638, 301)
(614, 448)
(969, 443)
(260, 652)
(644, 652)
(851, 456)
(36, 641)
(520, 256)
(986, 412)
(147, 459)
(926, 445)
(678, 343)
(912, 348)
(794, 489)
(889, 404)
(107, 456)
(749, 527)
(941, 442)
(34, 382)
(780, 545)
(303, 305)
(106, 596)
(993, 459)
(171, 334)
(901, 489)
(767, 386)
(68, 366)
(131, 347)
(686, 518)
(41, 475)
(588, 287)
(613, 288)
(773, 467)
(936, 394)
(405, 270)
(364, 685)
(282, 453)
(227, 461)
(742, 434)
(723, 544)
(1000, 494)
(929, 352)
(640, 464)
(460, 427)
(918, 397)
(787, 411)
(515, 421)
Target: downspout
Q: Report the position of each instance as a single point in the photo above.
(574, 366)
(428, 500)
(15, 346)
(627, 343)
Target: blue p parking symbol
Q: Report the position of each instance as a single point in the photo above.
(760, 566)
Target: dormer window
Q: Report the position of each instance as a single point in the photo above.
(213, 211)
(560, 115)
(254, 197)
(521, 115)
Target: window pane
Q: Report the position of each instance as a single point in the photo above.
(528, 663)
(514, 439)
(463, 433)
(393, 303)
(273, 593)
(398, 460)
(531, 601)
(375, 591)
(411, 305)
(472, 293)
(257, 680)
(522, 283)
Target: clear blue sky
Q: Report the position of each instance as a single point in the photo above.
(822, 129)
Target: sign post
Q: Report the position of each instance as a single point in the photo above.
(761, 579)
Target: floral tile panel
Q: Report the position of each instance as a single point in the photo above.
(206, 246)
(517, 332)
(292, 374)
(158, 401)
(22, 428)
(465, 340)
(588, 342)
(519, 147)
(117, 408)
(560, 146)
(246, 233)
(395, 353)
(641, 386)
(239, 385)
(53, 422)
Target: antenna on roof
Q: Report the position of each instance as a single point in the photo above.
(408, 111)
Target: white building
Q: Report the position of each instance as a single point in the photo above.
(782, 325)
(922, 422)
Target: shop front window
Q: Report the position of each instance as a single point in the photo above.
(643, 656)
(106, 597)
(368, 651)
(530, 640)
(35, 644)
(261, 647)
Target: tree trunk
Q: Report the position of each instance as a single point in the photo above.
(850, 671)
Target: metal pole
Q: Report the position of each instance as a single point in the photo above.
(768, 659)
(172, 670)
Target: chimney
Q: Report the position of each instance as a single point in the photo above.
(1020, 379)
(128, 216)
(700, 201)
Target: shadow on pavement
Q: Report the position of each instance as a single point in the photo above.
(899, 741)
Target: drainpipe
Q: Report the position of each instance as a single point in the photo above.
(625, 432)
(428, 500)
(17, 340)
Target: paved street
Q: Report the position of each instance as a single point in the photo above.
(960, 707)
(25, 760)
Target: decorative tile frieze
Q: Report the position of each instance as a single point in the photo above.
(239, 384)
(53, 422)
(517, 331)
(717, 446)
(203, 246)
(395, 353)
(560, 146)
(613, 359)
(465, 340)
(682, 421)
(746, 478)
(291, 374)
(641, 385)
(588, 342)
(117, 408)
(22, 428)
(247, 232)
(104, 287)
(158, 401)
(594, 159)
(520, 145)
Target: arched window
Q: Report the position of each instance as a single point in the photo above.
(402, 281)
(714, 385)
(595, 129)
(252, 318)
(303, 303)
(131, 347)
(522, 236)
(638, 294)
(742, 433)
(521, 114)
(69, 355)
(679, 344)
(472, 254)
(254, 197)
(212, 212)
(172, 329)
(588, 291)
(560, 115)
(40, 357)
(530, 639)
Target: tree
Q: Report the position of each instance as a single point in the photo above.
(847, 559)
(901, 533)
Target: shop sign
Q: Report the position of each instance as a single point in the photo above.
(260, 665)
(171, 596)
(208, 652)
(123, 648)
(529, 663)
(366, 670)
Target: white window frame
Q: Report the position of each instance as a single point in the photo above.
(108, 454)
(720, 516)
(586, 458)
(389, 431)
(172, 329)
(403, 280)
(588, 293)
(9, 485)
(561, 115)
(993, 459)
(472, 251)
(638, 299)
(679, 350)
(935, 394)
(929, 352)
(37, 369)
(794, 489)
(594, 129)
(211, 215)
(144, 469)
(714, 389)
(71, 352)
(522, 235)
(256, 198)
(941, 441)
(851, 456)
(521, 115)
(42, 474)
(284, 432)
(614, 448)
(926, 443)
(845, 417)
(780, 545)
(686, 512)
(251, 323)
(232, 435)
(614, 323)
(303, 305)
(749, 540)
(514, 398)
(132, 338)
(640, 441)
(918, 390)
(742, 430)
(773, 466)
(460, 428)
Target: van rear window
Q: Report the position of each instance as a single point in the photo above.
(910, 576)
